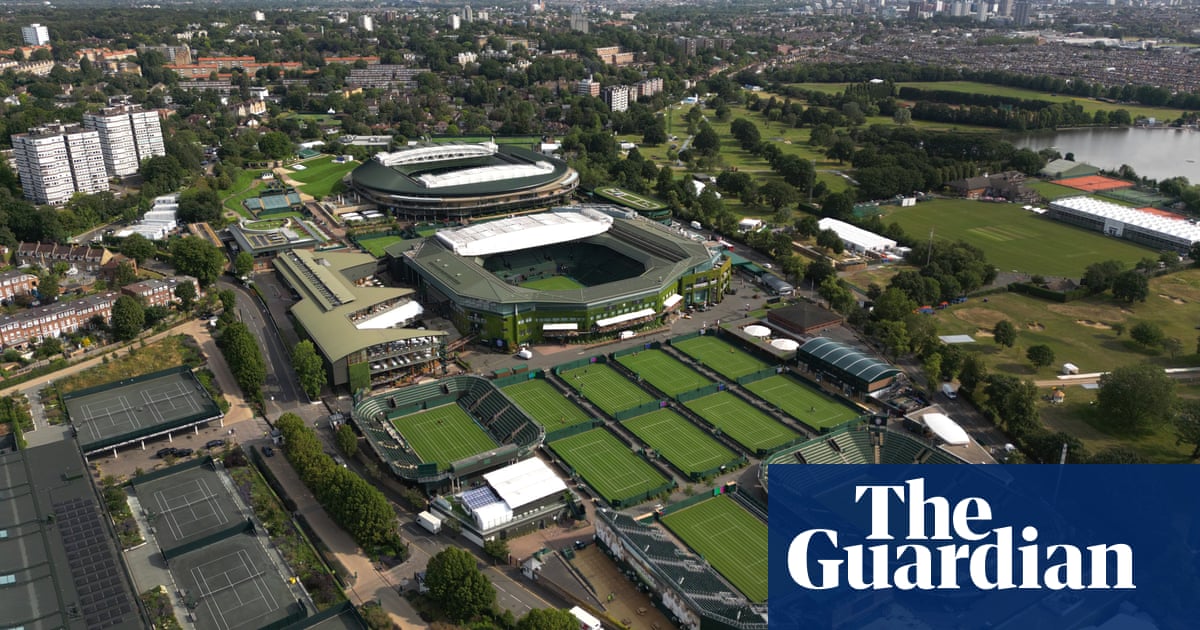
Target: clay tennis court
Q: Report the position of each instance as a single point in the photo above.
(1093, 183)
(1162, 213)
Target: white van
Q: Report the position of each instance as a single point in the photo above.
(949, 390)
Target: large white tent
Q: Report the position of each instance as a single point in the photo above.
(787, 345)
(945, 429)
(755, 330)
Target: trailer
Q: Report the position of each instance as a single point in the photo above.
(431, 523)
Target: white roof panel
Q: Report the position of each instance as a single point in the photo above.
(946, 429)
(562, 326)
(1167, 226)
(672, 300)
(525, 232)
(524, 482)
(624, 317)
(854, 235)
(393, 317)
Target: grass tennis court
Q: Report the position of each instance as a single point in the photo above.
(725, 359)
(802, 402)
(679, 441)
(1014, 239)
(605, 387)
(731, 539)
(629, 199)
(607, 465)
(545, 404)
(739, 420)
(443, 434)
(376, 245)
(322, 175)
(553, 283)
(664, 372)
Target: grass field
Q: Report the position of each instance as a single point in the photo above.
(322, 175)
(443, 434)
(545, 405)
(731, 539)
(607, 465)
(664, 372)
(1014, 239)
(628, 199)
(605, 387)
(681, 442)
(376, 245)
(802, 402)
(1052, 191)
(553, 283)
(247, 185)
(722, 357)
(739, 420)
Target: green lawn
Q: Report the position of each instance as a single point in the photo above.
(1015, 239)
(376, 245)
(443, 434)
(683, 444)
(553, 283)
(321, 175)
(802, 402)
(608, 465)
(247, 185)
(731, 539)
(664, 372)
(1053, 191)
(744, 423)
(628, 198)
(271, 224)
(545, 404)
(605, 387)
(725, 359)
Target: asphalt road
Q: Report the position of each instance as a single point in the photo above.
(281, 391)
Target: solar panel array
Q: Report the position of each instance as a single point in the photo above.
(479, 497)
(103, 598)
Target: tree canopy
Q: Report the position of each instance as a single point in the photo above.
(1136, 397)
(455, 581)
(197, 257)
(128, 317)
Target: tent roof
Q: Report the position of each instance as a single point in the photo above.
(946, 429)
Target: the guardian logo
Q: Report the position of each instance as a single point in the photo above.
(949, 547)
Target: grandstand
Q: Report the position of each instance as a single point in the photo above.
(585, 272)
(514, 434)
(690, 589)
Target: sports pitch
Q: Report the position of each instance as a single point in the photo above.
(607, 465)
(802, 402)
(664, 372)
(629, 199)
(605, 387)
(748, 426)
(1014, 239)
(722, 357)
(232, 585)
(681, 442)
(545, 404)
(186, 506)
(444, 435)
(731, 539)
(124, 410)
(553, 283)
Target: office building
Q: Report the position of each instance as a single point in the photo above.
(128, 136)
(56, 161)
(35, 35)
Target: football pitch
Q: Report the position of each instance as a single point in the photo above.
(731, 539)
(553, 283)
(748, 426)
(443, 434)
(605, 387)
(1014, 239)
(664, 372)
(613, 470)
(681, 442)
(721, 357)
(545, 405)
(802, 402)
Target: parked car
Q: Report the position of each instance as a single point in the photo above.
(183, 452)
(163, 452)
(215, 444)
(268, 451)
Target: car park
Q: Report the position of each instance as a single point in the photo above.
(163, 452)
(215, 444)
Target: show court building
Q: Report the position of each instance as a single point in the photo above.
(580, 272)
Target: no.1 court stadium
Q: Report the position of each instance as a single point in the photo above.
(134, 410)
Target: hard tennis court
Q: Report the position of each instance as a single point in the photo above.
(107, 413)
(233, 585)
(187, 506)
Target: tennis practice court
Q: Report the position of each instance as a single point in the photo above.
(723, 358)
(608, 465)
(125, 410)
(187, 505)
(744, 423)
(663, 371)
(1093, 183)
(802, 402)
(232, 584)
(545, 404)
(605, 387)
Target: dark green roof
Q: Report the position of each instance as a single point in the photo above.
(847, 360)
(399, 180)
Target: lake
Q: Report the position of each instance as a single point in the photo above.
(1154, 153)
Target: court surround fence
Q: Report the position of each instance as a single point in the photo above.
(243, 527)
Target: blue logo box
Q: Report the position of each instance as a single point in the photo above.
(1022, 547)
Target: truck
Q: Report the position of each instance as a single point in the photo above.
(586, 620)
(431, 523)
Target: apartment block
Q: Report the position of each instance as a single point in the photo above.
(617, 97)
(128, 135)
(56, 161)
(588, 87)
(14, 283)
(35, 35)
(159, 292)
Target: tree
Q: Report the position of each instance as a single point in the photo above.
(933, 368)
(902, 116)
(456, 583)
(375, 616)
(1131, 286)
(347, 441)
(186, 292)
(275, 144)
(894, 336)
(830, 240)
(818, 270)
(779, 194)
(198, 205)
(1136, 396)
(310, 369)
(138, 247)
(973, 372)
(548, 619)
(124, 274)
(496, 549)
(1187, 426)
(243, 264)
(198, 258)
(893, 304)
(1147, 334)
(128, 317)
(1014, 401)
(47, 288)
(838, 205)
(1099, 277)
(1040, 355)
(1005, 333)
(1173, 346)
(707, 141)
(245, 359)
